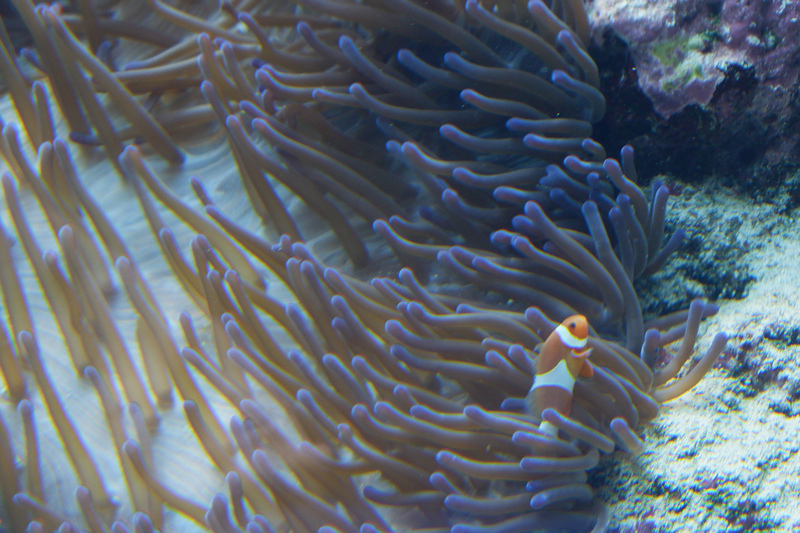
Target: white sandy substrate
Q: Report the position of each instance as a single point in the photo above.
(721, 457)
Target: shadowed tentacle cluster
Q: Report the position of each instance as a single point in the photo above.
(461, 133)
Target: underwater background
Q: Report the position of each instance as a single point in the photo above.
(356, 375)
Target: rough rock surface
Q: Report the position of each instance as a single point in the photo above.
(703, 88)
(724, 457)
(683, 47)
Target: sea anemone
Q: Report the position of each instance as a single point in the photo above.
(396, 204)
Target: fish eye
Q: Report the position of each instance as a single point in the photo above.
(572, 325)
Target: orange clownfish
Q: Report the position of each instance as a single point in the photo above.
(562, 358)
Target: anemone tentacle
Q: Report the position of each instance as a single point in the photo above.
(338, 320)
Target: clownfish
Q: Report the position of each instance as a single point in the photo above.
(562, 358)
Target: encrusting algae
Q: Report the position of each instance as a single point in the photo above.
(364, 221)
